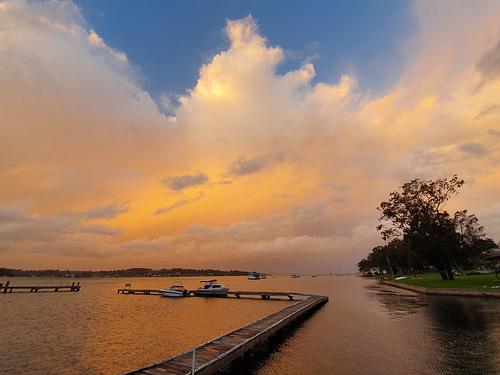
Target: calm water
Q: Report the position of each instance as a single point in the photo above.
(365, 327)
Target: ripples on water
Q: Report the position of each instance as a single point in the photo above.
(364, 328)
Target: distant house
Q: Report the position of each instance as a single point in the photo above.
(493, 257)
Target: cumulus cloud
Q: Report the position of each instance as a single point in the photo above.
(12, 215)
(19, 226)
(36, 228)
(73, 117)
(321, 156)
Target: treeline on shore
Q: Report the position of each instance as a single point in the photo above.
(130, 272)
(420, 235)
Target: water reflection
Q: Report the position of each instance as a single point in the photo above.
(398, 303)
(366, 327)
(464, 331)
(97, 331)
(464, 335)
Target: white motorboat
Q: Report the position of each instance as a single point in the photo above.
(254, 276)
(175, 290)
(295, 276)
(211, 288)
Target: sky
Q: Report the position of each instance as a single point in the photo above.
(250, 135)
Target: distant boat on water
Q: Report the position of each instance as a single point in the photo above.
(270, 276)
(295, 276)
(254, 276)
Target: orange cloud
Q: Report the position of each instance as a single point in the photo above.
(254, 169)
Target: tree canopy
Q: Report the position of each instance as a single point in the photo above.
(422, 234)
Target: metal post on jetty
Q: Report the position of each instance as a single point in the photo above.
(194, 349)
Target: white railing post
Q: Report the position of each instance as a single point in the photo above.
(192, 371)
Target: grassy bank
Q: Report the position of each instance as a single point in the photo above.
(433, 280)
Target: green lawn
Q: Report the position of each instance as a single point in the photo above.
(433, 280)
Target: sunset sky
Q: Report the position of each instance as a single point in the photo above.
(252, 135)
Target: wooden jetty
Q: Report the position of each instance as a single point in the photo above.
(218, 353)
(237, 294)
(268, 295)
(57, 288)
(138, 291)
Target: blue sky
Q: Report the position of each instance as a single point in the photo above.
(168, 41)
(237, 134)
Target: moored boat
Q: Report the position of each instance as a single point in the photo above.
(211, 288)
(295, 276)
(254, 276)
(175, 290)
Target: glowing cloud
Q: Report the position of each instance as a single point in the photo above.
(287, 170)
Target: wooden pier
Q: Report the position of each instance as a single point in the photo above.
(218, 353)
(138, 291)
(268, 295)
(7, 288)
(237, 294)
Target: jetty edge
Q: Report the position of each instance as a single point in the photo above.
(7, 288)
(216, 354)
(237, 294)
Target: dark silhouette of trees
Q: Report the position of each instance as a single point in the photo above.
(129, 273)
(394, 257)
(422, 234)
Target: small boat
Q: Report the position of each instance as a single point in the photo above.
(295, 276)
(211, 288)
(314, 275)
(175, 290)
(254, 276)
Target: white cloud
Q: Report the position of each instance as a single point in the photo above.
(310, 162)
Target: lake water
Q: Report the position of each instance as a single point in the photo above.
(364, 328)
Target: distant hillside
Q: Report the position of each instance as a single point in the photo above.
(131, 272)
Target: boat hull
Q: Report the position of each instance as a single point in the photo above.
(174, 293)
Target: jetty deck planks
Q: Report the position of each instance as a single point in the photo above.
(237, 294)
(138, 291)
(7, 288)
(220, 352)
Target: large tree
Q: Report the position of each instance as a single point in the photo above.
(416, 214)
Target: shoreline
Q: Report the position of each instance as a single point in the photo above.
(446, 292)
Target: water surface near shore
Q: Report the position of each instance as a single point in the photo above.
(365, 327)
